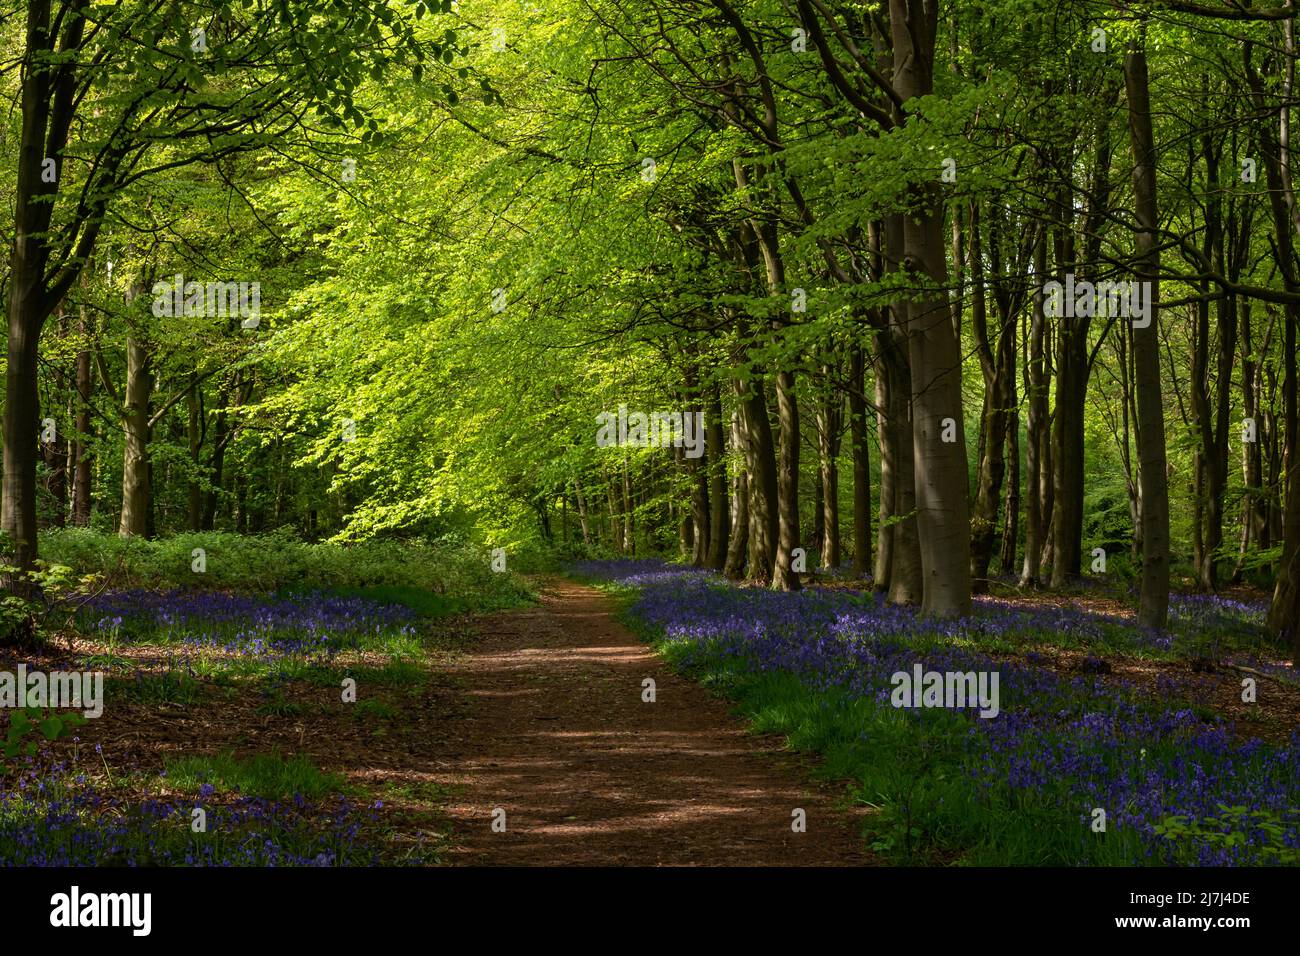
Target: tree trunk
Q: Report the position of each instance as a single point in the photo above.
(1036, 428)
(760, 465)
(581, 500)
(82, 459)
(1067, 451)
(629, 528)
(223, 434)
(698, 470)
(615, 532)
(738, 545)
(784, 577)
(719, 510)
(943, 513)
(55, 451)
(861, 464)
(818, 539)
(1011, 507)
(22, 410)
(220, 438)
(135, 454)
(828, 436)
(192, 433)
(1211, 418)
(1254, 524)
(888, 437)
(48, 95)
(1153, 609)
(997, 364)
(905, 567)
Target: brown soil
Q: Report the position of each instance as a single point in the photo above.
(556, 734)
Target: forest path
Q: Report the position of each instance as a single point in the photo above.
(554, 732)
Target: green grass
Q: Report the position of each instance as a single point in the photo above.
(419, 791)
(909, 769)
(275, 704)
(436, 578)
(264, 775)
(398, 672)
(167, 687)
(105, 662)
(374, 709)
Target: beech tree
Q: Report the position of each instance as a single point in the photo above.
(830, 231)
(113, 95)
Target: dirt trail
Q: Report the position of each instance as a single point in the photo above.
(555, 733)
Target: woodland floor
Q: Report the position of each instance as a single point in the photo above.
(535, 711)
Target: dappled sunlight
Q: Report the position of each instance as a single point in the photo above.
(589, 773)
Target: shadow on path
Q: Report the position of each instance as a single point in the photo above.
(555, 733)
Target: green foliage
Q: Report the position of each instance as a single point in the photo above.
(458, 576)
(28, 617)
(373, 709)
(262, 775)
(908, 774)
(26, 722)
(1230, 829)
(172, 686)
(913, 773)
(480, 169)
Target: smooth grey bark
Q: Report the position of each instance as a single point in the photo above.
(719, 507)
(934, 354)
(861, 463)
(1153, 608)
(136, 395)
(738, 545)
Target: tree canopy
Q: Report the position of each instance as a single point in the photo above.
(953, 291)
